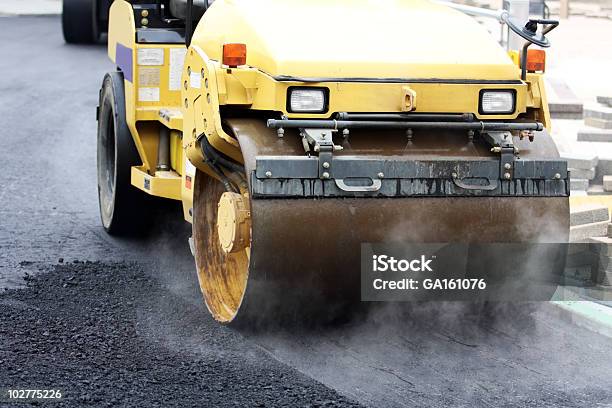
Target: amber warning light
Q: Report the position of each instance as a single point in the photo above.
(234, 55)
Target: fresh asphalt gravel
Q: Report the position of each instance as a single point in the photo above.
(106, 334)
(121, 322)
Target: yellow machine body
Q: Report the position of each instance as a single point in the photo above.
(381, 44)
(388, 57)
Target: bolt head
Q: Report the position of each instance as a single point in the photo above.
(557, 176)
(325, 175)
(326, 165)
(144, 21)
(268, 174)
(144, 13)
(381, 175)
(455, 175)
(507, 166)
(507, 176)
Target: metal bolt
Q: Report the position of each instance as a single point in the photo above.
(345, 133)
(557, 176)
(208, 98)
(203, 73)
(325, 175)
(185, 85)
(455, 175)
(186, 103)
(188, 70)
(507, 176)
(206, 83)
(280, 132)
(507, 166)
(268, 174)
(144, 21)
(381, 175)
(144, 13)
(326, 165)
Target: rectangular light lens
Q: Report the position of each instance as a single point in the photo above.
(497, 101)
(307, 100)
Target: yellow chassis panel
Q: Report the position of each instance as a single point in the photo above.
(166, 187)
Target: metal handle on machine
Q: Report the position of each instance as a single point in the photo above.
(492, 185)
(375, 186)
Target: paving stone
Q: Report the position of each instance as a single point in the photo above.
(605, 100)
(588, 214)
(580, 160)
(571, 109)
(586, 257)
(596, 189)
(580, 273)
(578, 193)
(607, 183)
(562, 101)
(604, 278)
(604, 168)
(604, 263)
(581, 233)
(598, 123)
(600, 245)
(598, 112)
(579, 184)
(582, 174)
(594, 135)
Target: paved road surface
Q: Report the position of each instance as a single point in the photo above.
(432, 355)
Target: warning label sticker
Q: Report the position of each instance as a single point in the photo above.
(177, 60)
(189, 168)
(148, 77)
(148, 94)
(195, 80)
(150, 56)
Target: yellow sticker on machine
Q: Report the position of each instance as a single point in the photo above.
(148, 77)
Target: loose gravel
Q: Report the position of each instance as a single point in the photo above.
(110, 335)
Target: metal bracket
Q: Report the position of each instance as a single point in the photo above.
(322, 143)
(502, 143)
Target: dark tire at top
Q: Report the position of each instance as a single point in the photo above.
(122, 206)
(80, 21)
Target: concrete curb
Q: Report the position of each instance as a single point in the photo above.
(586, 314)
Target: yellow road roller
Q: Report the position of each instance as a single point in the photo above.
(293, 131)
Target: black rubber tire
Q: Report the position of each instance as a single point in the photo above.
(80, 21)
(123, 208)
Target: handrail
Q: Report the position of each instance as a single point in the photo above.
(500, 15)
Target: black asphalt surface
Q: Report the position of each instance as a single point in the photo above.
(120, 322)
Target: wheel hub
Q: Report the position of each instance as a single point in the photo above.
(233, 222)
